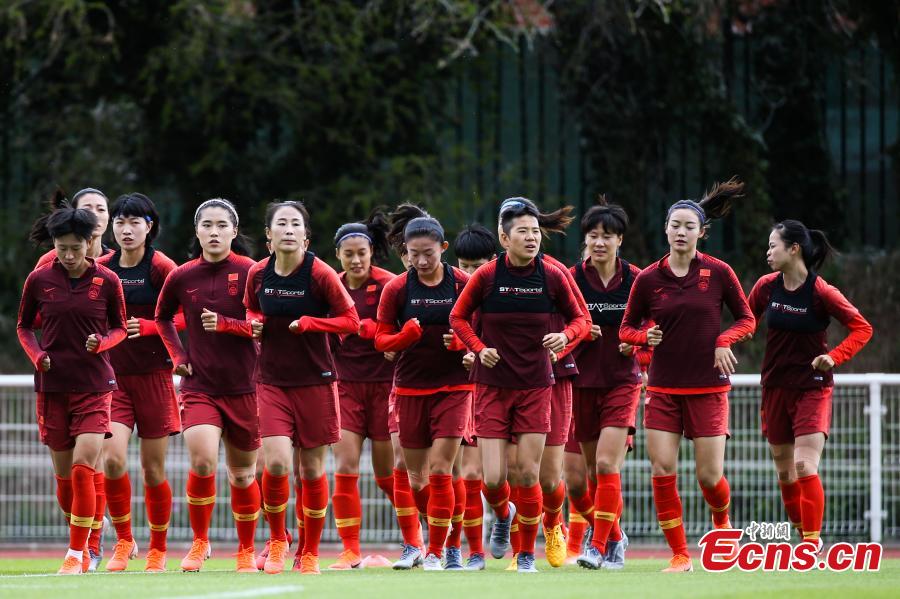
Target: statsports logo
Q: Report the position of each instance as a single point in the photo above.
(271, 291)
(527, 291)
(595, 307)
(428, 302)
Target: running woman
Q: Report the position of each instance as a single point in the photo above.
(217, 394)
(296, 299)
(517, 294)
(82, 311)
(608, 386)
(797, 382)
(433, 393)
(364, 381)
(687, 393)
(145, 396)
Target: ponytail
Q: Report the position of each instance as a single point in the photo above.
(715, 204)
(550, 222)
(376, 229)
(814, 245)
(39, 231)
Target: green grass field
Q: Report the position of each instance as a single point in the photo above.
(28, 578)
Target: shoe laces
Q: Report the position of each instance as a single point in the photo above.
(122, 550)
(309, 561)
(348, 556)
(198, 550)
(407, 552)
(276, 549)
(245, 558)
(526, 559)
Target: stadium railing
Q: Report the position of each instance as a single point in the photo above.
(860, 471)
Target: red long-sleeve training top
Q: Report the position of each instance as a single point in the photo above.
(688, 311)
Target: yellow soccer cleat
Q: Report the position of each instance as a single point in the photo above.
(555, 546)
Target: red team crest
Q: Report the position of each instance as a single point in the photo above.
(96, 284)
(233, 283)
(705, 273)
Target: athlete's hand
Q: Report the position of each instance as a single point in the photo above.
(133, 327)
(626, 349)
(92, 343)
(746, 337)
(45, 363)
(553, 357)
(654, 336)
(257, 327)
(489, 357)
(644, 379)
(468, 360)
(595, 332)
(184, 370)
(390, 356)
(448, 339)
(725, 360)
(209, 319)
(555, 342)
(823, 363)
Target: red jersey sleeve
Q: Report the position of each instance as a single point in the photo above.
(160, 268)
(840, 308)
(577, 318)
(251, 292)
(637, 311)
(744, 322)
(115, 312)
(387, 338)
(340, 304)
(28, 311)
(582, 304)
(166, 307)
(469, 300)
(759, 296)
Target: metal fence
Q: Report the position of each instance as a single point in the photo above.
(860, 471)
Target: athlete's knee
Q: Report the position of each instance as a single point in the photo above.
(154, 473)
(662, 469)
(241, 477)
(203, 465)
(805, 467)
(115, 465)
(607, 465)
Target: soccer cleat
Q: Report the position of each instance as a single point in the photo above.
(278, 552)
(156, 561)
(199, 553)
(500, 534)
(347, 560)
(614, 558)
(96, 558)
(591, 559)
(475, 562)
(71, 566)
(735, 545)
(555, 546)
(525, 563)
(409, 559)
(309, 564)
(122, 552)
(680, 563)
(513, 563)
(453, 559)
(261, 558)
(588, 536)
(246, 561)
(432, 563)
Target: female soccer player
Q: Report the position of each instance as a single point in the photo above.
(145, 396)
(217, 394)
(299, 299)
(433, 393)
(364, 381)
(797, 305)
(517, 294)
(82, 311)
(608, 386)
(687, 394)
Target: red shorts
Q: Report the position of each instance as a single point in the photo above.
(309, 415)
(236, 415)
(699, 415)
(501, 412)
(598, 408)
(560, 412)
(789, 413)
(572, 444)
(393, 422)
(364, 408)
(61, 417)
(149, 401)
(424, 418)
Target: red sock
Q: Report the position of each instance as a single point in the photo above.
(528, 513)
(405, 506)
(84, 504)
(386, 484)
(592, 492)
(421, 496)
(553, 503)
(498, 499)
(440, 511)
(790, 495)
(315, 504)
(473, 516)
(577, 528)
(201, 498)
(118, 495)
(298, 509)
(812, 506)
(347, 508)
(583, 506)
(459, 507)
(515, 537)
(609, 494)
(245, 504)
(718, 499)
(615, 533)
(99, 511)
(64, 496)
(158, 500)
(669, 511)
(276, 497)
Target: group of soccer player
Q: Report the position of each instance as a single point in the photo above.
(508, 377)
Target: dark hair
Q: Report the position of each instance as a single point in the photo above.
(297, 205)
(87, 191)
(241, 244)
(716, 202)
(814, 245)
(611, 217)
(375, 228)
(64, 221)
(140, 206)
(550, 222)
(475, 242)
(409, 221)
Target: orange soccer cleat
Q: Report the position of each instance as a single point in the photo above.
(309, 564)
(246, 561)
(680, 563)
(278, 551)
(156, 561)
(199, 553)
(122, 552)
(346, 561)
(71, 565)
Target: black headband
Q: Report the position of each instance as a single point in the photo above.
(423, 224)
